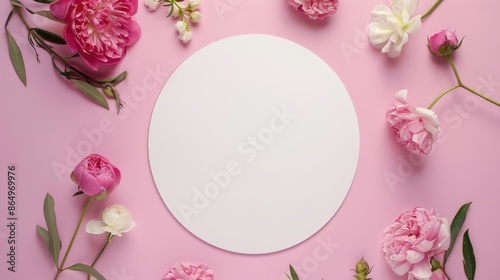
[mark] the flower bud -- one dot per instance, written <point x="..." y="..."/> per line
<point x="195" y="16"/>
<point x="194" y="5"/>
<point x="152" y="5"/>
<point x="443" y="43"/>
<point x="362" y="270"/>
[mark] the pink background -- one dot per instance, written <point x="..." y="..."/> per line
<point x="45" y="124"/>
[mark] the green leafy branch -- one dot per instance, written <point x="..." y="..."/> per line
<point x="469" y="260"/>
<point x="40" y="38"/>
<point x="53" y="243"/>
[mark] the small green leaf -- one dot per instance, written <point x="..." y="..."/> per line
<point x="50" y="220"/>
<point x="92" y="92"/>
<point x="49" y="36"/>
<point x="44" y="234"/>
<point x="47" y="14"/>
<point x="469" y="257"/>
<point x="44" y="1"/>
<point x="116" y="80"/>
<point x="88" y="269"/>
<point x="16" y="58"/>
<point x="455" y="227"/>
<point x="293" y="273"/>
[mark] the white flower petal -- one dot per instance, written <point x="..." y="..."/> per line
<point x="401" y="96"/>
<point x="95" y="227"/>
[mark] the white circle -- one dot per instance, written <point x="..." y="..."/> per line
<point x="205" y="129"/>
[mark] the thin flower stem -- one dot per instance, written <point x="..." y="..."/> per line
<point x="85" y="209"/>
<point x="445" y="274"/>
<point x="454" y="69"/>
<point x="441" y="95"/>
<point x="431" y="9"/>
<point x="108" y="240"/>
<point x="480" y="95"/>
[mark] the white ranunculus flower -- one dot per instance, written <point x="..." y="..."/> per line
<point x="152" y="5"/>
<point x="116" y="219"/>
<point x="389" y="26"/>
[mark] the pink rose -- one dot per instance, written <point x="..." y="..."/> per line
<point x="414" y="128"/>
<point x="410" y="243"/>
<point x="95" y="175"/>
<point x="443" y="43"/>
<point x="188" y="271"/>
<point x="315" y="9"/>
<point x="99" y="30"/>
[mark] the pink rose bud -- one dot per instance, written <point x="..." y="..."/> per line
<point x="443" y="43"/>
<point x="95" y="175"/>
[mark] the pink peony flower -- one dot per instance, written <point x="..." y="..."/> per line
<point x="95" y="175"/>
<point x="315" y="9"/>
<point x="410" y="243"/>
<point x="414" y="128"/>
<point x="443" y="43"/>
<point x="188" y="271"/>
<point x="99" y="30"/>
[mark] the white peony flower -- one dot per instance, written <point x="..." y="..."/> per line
<point x="195" y="16"/>
<point x="389" y="27"/>
<point x="116" y="219"/>
<point x="152" y="5"/>
<point x="186" y="36"/>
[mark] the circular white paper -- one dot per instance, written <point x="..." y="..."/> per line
<point x="253" y="144"/>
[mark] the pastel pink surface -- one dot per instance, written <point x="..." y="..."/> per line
<point x="47" y="124"/>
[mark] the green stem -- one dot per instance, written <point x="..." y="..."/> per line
<point x="445" y="274"/>
<point x="480" y="95"/>
<point x="431" y="9"/>
<point x="441" y="95"/>
<point x="108" y="240"/>
<point x="85" y="209"/>
<point x="454" y="69"/>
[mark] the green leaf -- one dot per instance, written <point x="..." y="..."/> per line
<point x="293" y="273"/>
<point x="469" y="257"/>
<point x="50" y="220"/>
<point x="44" y="234"/>
<point x="49" y="36"/>
<point x="455" y="227"/>
<point x="44" y="1"/>
<point x="48" y="15"/>
<point x="92" y="92"/>
<point x="16" y="58"/>
<point x="88" y="269"/>
<point x="116" y="80"/>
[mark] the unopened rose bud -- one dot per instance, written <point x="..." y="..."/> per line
<point x="362" y="270"/>
<point x="443" y="43"/>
